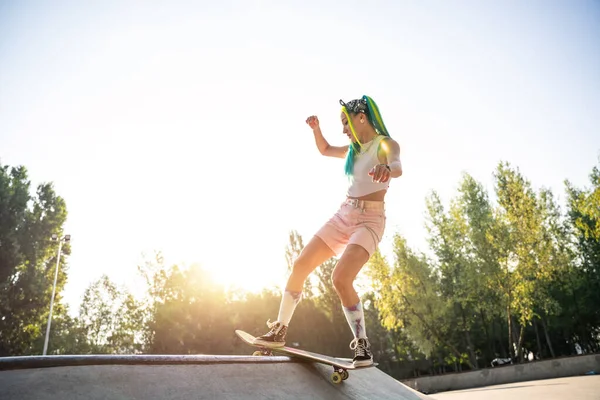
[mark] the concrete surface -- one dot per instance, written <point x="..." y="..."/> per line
<point x="573" y="388"/>
<point x="187" y="377"/>
<point x="531" y="371"/>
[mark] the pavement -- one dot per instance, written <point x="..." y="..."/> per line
<point x="572" y="388"/>
<point x="166" y="377"/>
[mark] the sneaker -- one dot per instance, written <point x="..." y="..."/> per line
<point x="362" y="352"/>
<point x="275" y="337"/>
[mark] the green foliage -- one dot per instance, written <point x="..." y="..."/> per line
<point x="581" y="313"/>
<point x="505" y="279"/>
<point x="28" y="260"/>
<point x="110" y="318"/>
<point x="410" y="298"/>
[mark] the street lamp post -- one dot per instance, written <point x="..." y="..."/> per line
<point x="66" y="238"/>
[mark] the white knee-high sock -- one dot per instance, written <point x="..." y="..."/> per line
<point x="356" y="319"/>
<point x="289" y="301"/>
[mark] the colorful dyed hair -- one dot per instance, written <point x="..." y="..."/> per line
<point x="367" y="106"/>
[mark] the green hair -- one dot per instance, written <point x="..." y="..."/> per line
<point x="367" y="106"/>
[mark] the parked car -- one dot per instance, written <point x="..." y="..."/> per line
<point x="496" y="362"/>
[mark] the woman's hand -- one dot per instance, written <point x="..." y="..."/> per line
<point x="313" y="122"/>
<point x="380" y="173"/>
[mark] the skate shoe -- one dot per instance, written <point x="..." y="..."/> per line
<point x="362" y="352"/>
<point x="275" y="337"/>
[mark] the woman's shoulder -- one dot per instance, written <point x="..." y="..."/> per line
<point x="388" y="141"/>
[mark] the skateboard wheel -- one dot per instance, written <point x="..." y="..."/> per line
<point x="345" y="375"/>
<point x="336" y="377"/>
<point x="257" y="353"/>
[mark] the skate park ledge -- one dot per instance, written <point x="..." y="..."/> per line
<point x="181" y="377"/>
<point x="22" y="362"/>
<point x="535" y="370"/>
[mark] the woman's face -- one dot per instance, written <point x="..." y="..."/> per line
<point x="355" y="122"/>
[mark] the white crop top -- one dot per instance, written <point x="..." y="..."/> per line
<point x="361" y="183"/>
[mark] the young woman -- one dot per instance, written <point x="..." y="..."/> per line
<point x="355" y="230"/>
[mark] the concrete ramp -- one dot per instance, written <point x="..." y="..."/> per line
<point x="164" y="377"/>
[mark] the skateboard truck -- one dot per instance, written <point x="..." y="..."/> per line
<point x="264" y="351"/>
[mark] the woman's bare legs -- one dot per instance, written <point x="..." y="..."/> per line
<point x="346" y="270"/>
<point x="314" y="254"/>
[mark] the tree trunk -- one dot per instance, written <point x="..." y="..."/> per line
<point x="501" y="331"/>
<point x="547" y="338"/>
<point x="468" y="338"/>
<point x="520" y="344"/>
<point x="510" y="335"/>
<point x="538" y="341"/>
<point x="583" y="336"/>
<point x="585" y="344"/>
<point x="488" y="342"/>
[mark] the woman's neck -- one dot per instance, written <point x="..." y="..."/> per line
<point x="367" y="136"/>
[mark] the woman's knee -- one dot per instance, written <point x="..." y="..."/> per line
<point x="340" y="282"/>
<point x="301" y="267"/>
<point x="314" y="254"/>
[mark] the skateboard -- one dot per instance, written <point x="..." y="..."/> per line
<point x="340" y="366"/>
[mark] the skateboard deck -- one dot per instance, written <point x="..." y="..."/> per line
<point x="340" y="366"/>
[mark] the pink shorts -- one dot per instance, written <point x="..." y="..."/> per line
<point x="356" y="222"/>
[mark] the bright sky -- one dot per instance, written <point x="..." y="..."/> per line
<point x="179" y="126"/>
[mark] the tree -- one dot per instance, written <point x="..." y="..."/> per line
<point x="389" y="339"/>
<point x="583" y="305"/>
<point x="111" y="319"/>
<point x="67" y="336"/>
<point x="532" y="247"/>
<point x="28" y="260"/>
<point x="187" y="311"/>
<point x="486" y="275"/>
<point x="457" y="266"/>
<point x="409" y="298"/>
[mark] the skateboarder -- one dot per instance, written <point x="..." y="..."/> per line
<point x="355" y="230"/>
